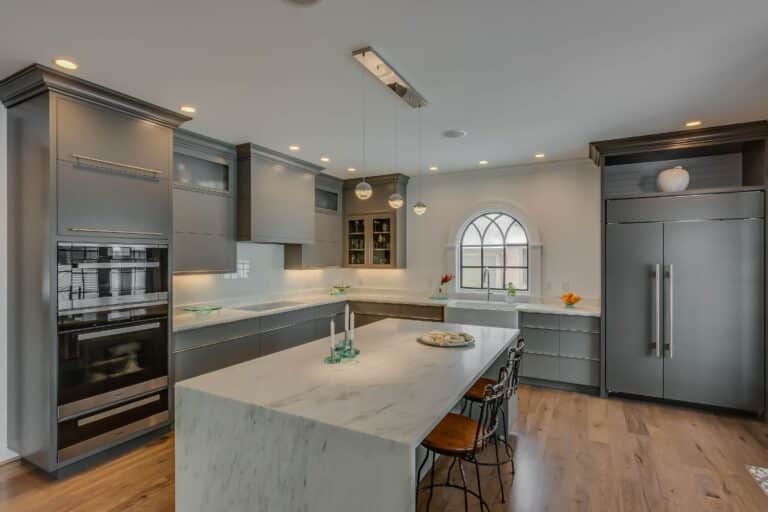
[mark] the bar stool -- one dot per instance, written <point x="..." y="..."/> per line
<point x="510" y="371"/>
<point x="462" y="439"/>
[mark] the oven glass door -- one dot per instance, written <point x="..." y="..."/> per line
<point x="102" y="365"/>
<point x="92" y="275"/>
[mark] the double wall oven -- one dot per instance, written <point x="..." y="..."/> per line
<point x="112" y="344"/>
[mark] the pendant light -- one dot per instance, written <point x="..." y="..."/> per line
<point x="363" y="190"/>
<point x="396" y="200"/>
<point x="420" y="208"/>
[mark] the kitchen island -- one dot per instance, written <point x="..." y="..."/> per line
<point x="288" y="432"/>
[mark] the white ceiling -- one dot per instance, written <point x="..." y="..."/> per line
<point x="522" y="76"/>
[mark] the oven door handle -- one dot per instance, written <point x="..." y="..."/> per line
<point x="115" y="332"/>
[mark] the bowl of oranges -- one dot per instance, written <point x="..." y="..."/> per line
<point x="570" y="299"/>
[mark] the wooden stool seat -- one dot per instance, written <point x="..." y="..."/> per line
<point x="455" y="436"/>
<point x="477" y="391"/>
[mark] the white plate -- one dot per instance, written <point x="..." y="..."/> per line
<point x="446" y="339"/>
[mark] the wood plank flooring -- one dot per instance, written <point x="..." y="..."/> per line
<point x="573" y="453"/>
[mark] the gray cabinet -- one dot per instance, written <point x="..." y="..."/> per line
<point x="326" y="250"/>
<point x="685" y="304"/>
<point x="204" y="192"/>
<point x="374" y="232"/>
<point x="112" y="172"/>
<point x="208" y="349"/>
<point x="561" y="349"/>
<point x="275" y="202"/>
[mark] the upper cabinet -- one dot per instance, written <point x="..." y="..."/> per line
<point x="326" y="251"/>
<point x="204" y="191"/>
<point x="374" y="232"/>
<point x="276" y="192"/>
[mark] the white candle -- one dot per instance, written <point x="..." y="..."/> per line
<point x="333" y="337"/>
<point x="346" y="320"/>
<point x="352" y="329"/>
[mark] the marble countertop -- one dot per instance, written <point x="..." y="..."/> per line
<point x="397" y="389"/>
<point x="229" y="312"/>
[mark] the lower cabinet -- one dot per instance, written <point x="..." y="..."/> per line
<point x="204" y="350"/>
<point x="369" y="312"/>
<point x="561" y="349"/>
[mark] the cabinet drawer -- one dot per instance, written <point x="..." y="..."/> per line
<point x="540" y="320"/>
<point x="210" y="335"/>
<point x="579" y="323"/>
<point x="579" y="371"/>
<point x="191" y="363"/>
<point x="288" y="337"/>
<point x="204" y="253"/>
<point x="375" y="308"/>
<point x="431" y="313"/>
<point x="539" y="367"/>
<point x="96" y="132"/>
<point x="326" y="311"/>
<point x="198" y="212"/>
<point x="99" y="203"/>
<point x="287" y="319"/>
<point x="541" y="340"/>
<point x="580" y="344"/>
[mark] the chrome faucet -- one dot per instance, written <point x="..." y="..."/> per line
<point x="487" y="281"/>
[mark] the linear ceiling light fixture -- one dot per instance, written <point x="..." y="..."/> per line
<point x="386" y="74"/>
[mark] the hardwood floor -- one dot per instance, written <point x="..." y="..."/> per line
<point x="574" y="453"/>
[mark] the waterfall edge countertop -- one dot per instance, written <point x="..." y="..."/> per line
<point x="231" y="312"/>
<point x="288" y="432"/>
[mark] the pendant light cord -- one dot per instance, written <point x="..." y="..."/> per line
<point x="362" y="95"/>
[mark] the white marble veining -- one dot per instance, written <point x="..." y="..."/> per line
<point x="560" y="309"/>
<point x="287" y="432"/>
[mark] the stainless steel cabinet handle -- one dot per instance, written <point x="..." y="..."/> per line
<point x="110" y="163"/>
<point x="120" y="330"/>
<point x="117" y="410"/>
<point x="115" y="231"/>
<point x="656" y="309"/>
<point x="670" y="304"/>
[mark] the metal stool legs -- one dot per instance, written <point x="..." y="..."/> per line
<point x="463" y="487"/>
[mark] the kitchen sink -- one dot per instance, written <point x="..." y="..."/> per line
<point x="266" y="306"/>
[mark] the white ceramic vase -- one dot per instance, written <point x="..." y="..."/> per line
<point x="675" y="179"/>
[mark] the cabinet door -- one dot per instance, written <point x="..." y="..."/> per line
<point x="209" y="358"/>
<point x="195" y="253"/>
<point x="356" y="234"/>
<point x="381" y="241"/>
<point x="715" y="311"/>
<point x="104" y="203"/>
<point x="632" y="252"/>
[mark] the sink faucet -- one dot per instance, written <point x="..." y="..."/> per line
<point x="487" y="281"/>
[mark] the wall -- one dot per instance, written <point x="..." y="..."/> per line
<point x="561" y="199"/>
<point x="4" y="452"/>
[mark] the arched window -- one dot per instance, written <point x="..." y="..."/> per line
<point x="498" y="242"/>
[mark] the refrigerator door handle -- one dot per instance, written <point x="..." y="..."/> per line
<point x="656" y="309"/>
<point x="669" y="301"/>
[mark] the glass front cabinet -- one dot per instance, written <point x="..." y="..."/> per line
<point x="370" y="241"/>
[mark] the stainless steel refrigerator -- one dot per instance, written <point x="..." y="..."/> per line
<point x="684" y="298"/>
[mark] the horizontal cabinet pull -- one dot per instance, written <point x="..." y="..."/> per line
<point x="115" y="231"/>
<point x="117" y="410"/>
<point x="116" y="332"/>
<point x="99" y="161"/>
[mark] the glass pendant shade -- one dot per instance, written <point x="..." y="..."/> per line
<point x="363" y="190"/>
<point x="420" y="208"/>
<point x="396" y="201"/>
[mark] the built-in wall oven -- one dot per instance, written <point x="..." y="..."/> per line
<point x="112" y="344"/>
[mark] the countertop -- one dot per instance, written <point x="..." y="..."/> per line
<point x="397" y="389"/>
<point x="185" y="320"/>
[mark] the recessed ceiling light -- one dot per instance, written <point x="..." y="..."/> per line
<point x="188" y="109"/>
<point x="455" y="134"/>
<point x="351" y="169"/>
<point x="434" y="168"/>
<point x="67" y="64"/>
<point x="539" y="155"/>
<point x="693" y="124"/>
<point x="483" y="162"/>
<point x="325" y="159"/>
<point x="294" y="147"/>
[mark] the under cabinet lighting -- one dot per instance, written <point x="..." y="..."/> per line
<point x="67" y="64"/>
<point x="386" y="74"/>
<point x="693" y="124"/>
